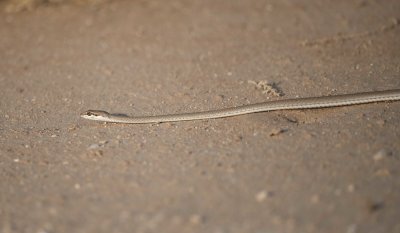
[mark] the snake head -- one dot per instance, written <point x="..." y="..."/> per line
<point x="95" y="115"/>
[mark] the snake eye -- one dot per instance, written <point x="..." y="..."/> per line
<point x="91" y="114"/>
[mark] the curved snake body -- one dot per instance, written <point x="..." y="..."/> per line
<point x="300" y="103"/>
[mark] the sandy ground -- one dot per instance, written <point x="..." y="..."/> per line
<point x="329" y="170"/>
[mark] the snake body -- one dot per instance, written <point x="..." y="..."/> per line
<point x="300" y="103"/>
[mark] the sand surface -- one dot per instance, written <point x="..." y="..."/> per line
<point x="326" y="170"/>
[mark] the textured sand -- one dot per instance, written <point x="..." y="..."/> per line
<point x="331" y="170"/>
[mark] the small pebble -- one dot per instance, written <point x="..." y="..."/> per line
<point x="260" y="196"/>
<point x="276" y="132"/>
<point x="375" y="206"/>
<point x="380" y="122"/>
<point x="97" y="145"/>
<point x="381" y="154"/>
<point x="195" y="219"/>
<point x="382" y="172"/>
<point x="350" y="188"/>
<point x="93" y="146"/>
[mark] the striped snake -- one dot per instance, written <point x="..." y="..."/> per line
<point x="286" y="104"/>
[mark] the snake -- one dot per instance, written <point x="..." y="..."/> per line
<point x="285" y="104"/>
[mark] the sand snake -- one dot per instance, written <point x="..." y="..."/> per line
<point x="286" y="104"/>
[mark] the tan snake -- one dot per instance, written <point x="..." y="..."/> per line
<point x="301" y="103"/>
